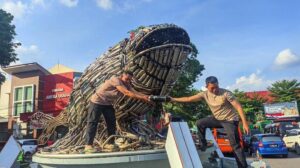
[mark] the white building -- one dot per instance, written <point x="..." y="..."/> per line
<point x="4" y="109"/>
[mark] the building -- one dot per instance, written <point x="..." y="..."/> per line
<point x="4" y="107"/>
<point x="35" y="89"/>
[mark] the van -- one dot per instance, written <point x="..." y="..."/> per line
<point x="223" y="141"/>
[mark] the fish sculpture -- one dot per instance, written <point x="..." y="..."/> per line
<point x="156" y="55"/>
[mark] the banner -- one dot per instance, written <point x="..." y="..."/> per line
<point x="281" y="110"/>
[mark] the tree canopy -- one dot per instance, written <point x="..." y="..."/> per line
<point x="285" y="90"/>
<point x="7" y="46"/>
<point x="253" y="107"/>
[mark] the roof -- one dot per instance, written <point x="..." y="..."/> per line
<point x="59" y="68"/>
<point x="262" y="94"/>
<point x="25" y="68"/>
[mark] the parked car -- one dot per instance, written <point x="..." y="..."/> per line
<point x="29" y="147"/>
<point x="223" y="141"/>
<point x="280" y="128"/>
<point x="292" y="140"/>
<point x="268" y="144"/>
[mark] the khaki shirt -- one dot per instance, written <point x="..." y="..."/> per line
<point x="220" y="104"/>
<point x="107" y="93"/>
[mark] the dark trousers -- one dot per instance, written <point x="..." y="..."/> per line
<point x="93" y="117"/>
<point x="231" y="129"/>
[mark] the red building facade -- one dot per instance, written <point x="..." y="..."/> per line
<point x="57" y="91"/>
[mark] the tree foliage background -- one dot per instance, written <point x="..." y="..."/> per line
<point x="184" y="87"/>
<point x="7" y="46"/>
<point x="286" y="91"/>
<point x="252" y="106"/>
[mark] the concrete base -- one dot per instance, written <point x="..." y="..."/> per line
<point x="131" y="159"/>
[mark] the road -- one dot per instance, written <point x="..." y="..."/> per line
<point x="293" y="161"/>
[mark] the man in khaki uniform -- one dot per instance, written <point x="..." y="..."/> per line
<point x="101" y="103"/>
<point x="226" y="111"/>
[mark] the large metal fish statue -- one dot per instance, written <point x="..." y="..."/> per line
<point x="156" y="54"/>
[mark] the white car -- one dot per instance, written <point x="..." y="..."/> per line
<point x="292" y="140"/>
<point x="29" y="146"/>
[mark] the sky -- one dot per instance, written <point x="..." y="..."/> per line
<point x="248" y="45"/>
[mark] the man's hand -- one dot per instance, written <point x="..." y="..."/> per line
<point x="146" y="99"/>
<point x="246" y="128"/>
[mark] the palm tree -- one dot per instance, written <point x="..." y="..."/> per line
<point x="285" y="90"/>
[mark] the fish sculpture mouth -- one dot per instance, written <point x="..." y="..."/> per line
<point x="157" y="56"/>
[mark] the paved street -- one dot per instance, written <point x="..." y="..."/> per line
<point x="293" y="161"/>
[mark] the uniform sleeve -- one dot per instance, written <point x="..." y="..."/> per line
<point x="115" y="81"/>
<point x="201" y="94"/>
<point x="229" y="96"/>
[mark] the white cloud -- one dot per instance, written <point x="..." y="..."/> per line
<point x="253" y="82"/>
<point x="105" y="4"/>
<point x="120" y="6"/>
<point x="4" y="73"/>
<point x="23" y="50"/>
<point x="286" y="58"/>
<point x="27" y="54"/>
<point x="17" y="9"/>
<point x="69" y="3"/>
<point x="38" y="2"/>
<point x="203" y="88"/>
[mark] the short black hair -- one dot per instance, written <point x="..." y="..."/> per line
<point x="211" y="79"/>
<point x="127" y="71"/>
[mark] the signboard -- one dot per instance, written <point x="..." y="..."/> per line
<point x="57" y="91"/>
<point x="281" y="110"/>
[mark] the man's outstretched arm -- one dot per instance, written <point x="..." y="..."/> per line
<point x="129" y="93"/>
<point x="189" y="99"/>
<point x="240" y="110"/>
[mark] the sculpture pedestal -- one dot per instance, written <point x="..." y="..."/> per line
<point x="132" y="159"/>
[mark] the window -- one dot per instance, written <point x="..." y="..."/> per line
<point x="31" y="142"/>
<point x="271" y="138"/>
<point x="23" y="99"/>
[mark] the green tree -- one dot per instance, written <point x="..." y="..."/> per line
<point x="285" y="90"/>
<point x="252" y="106"/>
<point x="184" y="87"/>
<point x="7" y="46"/>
